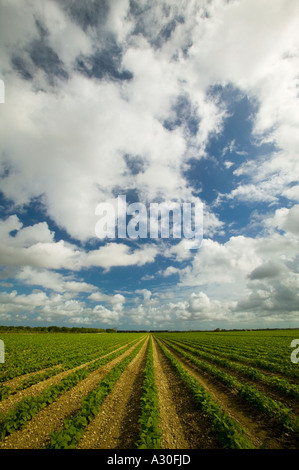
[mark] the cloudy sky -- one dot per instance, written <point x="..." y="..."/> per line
<point x="158" y="100"/>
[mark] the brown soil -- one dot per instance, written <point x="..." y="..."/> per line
<point x="182" y="425"/>
<point x="36" y="432"/>
<point x="260" y="431"/>
<point x="116" y="425"/>
<point x="36" y="389"/>
<point x="16" y="381"/>
<point x="267" y="389"/>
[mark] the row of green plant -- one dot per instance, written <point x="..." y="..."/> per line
<point x="228" y="432"/>
<point x="266" y="350"/>
<point x="74" y="426"/>
<point x="277" y="383"/>
<point x="150" y="432"/>
<point x="269" y="350"/>
<point x="36" y="378"/>
<point x="26" y="354"/>
<point x="68" y="360"/>
<point x="257" y="359"/>
<point x="24" y="410"/>
<point x="6" y="391"/>
<point x="267" y="405"/>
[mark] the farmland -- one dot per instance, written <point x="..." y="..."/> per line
<point x="163" y="390"/>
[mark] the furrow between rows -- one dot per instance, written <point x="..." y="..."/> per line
<point x="35" y="433"/>
<point x="261" y="430"/>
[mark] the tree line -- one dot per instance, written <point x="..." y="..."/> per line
<point x="53" y="329"/>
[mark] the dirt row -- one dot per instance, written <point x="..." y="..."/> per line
<point x="35" y="434"/>
<point x="260" y="430"/>
<point x="36" y="389"/>
<point x="116" y="426"/>
<point x="263" y="387"/>
<point x="182" y="425"/>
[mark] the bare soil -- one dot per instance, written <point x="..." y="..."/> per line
<point x="16" y="381"/>
<point x="36" y="433"/>
<point x="260" y="430"/>
<point x="36" y="389"/>
<point x="182" y="425"/>
<point x="116" y="426"/>
<point x="267" y="389"/>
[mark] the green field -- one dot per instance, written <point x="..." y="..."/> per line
<point x="243" y="386"/>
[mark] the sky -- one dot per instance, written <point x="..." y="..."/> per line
<point x="161" y="101"/>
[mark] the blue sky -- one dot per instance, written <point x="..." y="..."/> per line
<point x="168" y="101"/>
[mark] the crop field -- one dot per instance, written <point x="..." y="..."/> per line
<point x="164" y="390"/>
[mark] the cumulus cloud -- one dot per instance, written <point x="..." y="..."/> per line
<point x="118" y="254"/>
<point x="255" y="49"/>
<point x="88" y="125"/>
<point x="107" y="98"/>
<point x="55" y="308"/>
<point x="35" y="246"/>
<point x="106" y="316"/>
<point x="116" y="300"/>
<point x="52" y="280"/>
<point x="267" y="270"/>
<point x="287" y="219"/>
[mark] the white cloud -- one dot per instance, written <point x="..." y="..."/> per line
<point x="244" y="279"/>
<point x="66" y="38"/>
<point x="169" y="271"/>
<point x="146" y="293"/>
<point x="88" y="125"/>
<point x="64" y="139"/>
<point x="52" y="280"/>
<point x="118" y="254"/>
<point x="118" y="21"/>
<point x="179" y="252"/>
<point x="241" y="39"/>
<point x="35" y="246"/>
<point x="254" y="48"/>
<point x="83" y="147"/>
<point x="55" y="308"/>
<point x="106" y="316"/>
<point x="116" y="300"/>
<point x="218" y="264"/>
<point x="292" y="193"/>
<point x="287" y="219"/>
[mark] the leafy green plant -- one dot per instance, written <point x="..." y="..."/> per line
<point x="4" y="392"/>
<point x="29" y="406"/>
<point x="227" y="431"/>
<point x="267" y="405"/>
<point x="73" y="427"/>
<point x="27" y="354"/>
<point x="150" y="432"/>
<point x="277" y="383"/>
